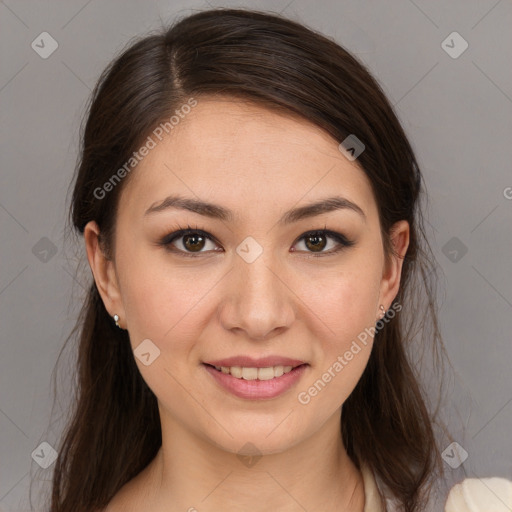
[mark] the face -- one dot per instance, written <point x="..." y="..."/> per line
<point x="256" y="282"/>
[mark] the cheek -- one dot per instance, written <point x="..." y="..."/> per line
<point x="162" y="302"/>
<point x="158" y="309"/>
<point x="344" y="349"/>
<point x="347" y="306"/>
<point x="348" y="303"/>
<point x="166" y="306"/>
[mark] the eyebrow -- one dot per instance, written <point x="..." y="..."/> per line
<point x="213" y="211"/>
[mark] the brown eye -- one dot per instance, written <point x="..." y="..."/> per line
<point x="315" y="242"/>
<point x="188" y="242"/>
<point x="193" y="242"/>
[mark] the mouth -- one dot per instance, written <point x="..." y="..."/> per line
<point x="256" y="383"/>
<point x="255" y="373"/>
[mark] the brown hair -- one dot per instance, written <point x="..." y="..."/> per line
<point x="114" y="430"/>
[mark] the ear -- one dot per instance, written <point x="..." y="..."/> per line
<point x="392" y="272"/>
<point x="104" y="273"/>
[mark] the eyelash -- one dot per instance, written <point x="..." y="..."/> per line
<point x="175" y="235"/>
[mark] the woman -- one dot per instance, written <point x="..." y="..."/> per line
<point x="250" y="209"/>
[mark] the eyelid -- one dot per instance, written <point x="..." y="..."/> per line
<point x="167" y="240"/>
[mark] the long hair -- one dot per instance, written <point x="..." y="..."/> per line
<point x="114" y="429"/>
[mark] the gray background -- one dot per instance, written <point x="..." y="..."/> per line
<point x="457" y="113"/>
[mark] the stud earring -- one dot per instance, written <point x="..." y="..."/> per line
<point x="383" y="309"/>
<point x="116" y="320"/>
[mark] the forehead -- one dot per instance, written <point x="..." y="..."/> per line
<point x="242" y="155"/>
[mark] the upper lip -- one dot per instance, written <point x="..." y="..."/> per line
<point x="262" y="362"/>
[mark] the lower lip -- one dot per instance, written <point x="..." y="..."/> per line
<point x="257" y="389"/>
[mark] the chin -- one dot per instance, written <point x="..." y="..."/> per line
<point x="256" y="442"/>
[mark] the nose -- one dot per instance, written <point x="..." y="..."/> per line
<point x="260" y="302"/>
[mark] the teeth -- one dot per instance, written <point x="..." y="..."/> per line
<point x="268" y="373"/>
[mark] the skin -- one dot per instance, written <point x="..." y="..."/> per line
<point x="259" y="164"/>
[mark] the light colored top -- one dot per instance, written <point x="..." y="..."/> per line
<point x="471" y="495"/>
<point x="374" y="502"/>
<point x="492" y="494"/>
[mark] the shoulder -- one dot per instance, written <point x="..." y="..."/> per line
<point x="480" y="495"/>
<point x="376" y="499"/>
<point x="136" y="495"/>
<point x="128" y="499"/>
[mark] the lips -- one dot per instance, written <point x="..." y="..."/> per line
<point x="250" y="362"/>
<point x="255" y="388"/>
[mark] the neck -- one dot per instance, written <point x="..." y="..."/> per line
<point x="191" y="474"/>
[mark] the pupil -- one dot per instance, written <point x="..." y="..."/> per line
<point x="315" y="244"/>
<point x="194" y="245"/>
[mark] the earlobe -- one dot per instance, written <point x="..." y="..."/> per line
<point x="103" y="270"/>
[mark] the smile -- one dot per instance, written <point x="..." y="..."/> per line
<point x="256" y="383"/>
<point x="247" y="373"/>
